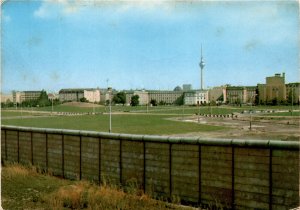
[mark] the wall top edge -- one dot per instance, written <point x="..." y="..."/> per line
<point x="274" y="144"/>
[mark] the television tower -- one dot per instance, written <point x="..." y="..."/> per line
<point x="201" y="64"/>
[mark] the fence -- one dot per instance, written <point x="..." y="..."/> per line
<point x="237" y="174"/>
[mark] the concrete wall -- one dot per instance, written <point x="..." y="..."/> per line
<point x="239" y="174"/>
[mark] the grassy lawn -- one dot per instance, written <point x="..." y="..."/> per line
<point x="70" y="108"/>
<point x="133" y="124"/>
<point x="6" y="113"/>
<point x="24" y="188"/>
<point x="12" y="113"/>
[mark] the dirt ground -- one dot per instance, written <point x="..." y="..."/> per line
<point x="81" y="104"/>
<point x="282" y="128"/>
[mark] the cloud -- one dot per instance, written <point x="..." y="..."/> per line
<point x="251" y="45"/>
<point x="6" y="18"/>
<point x="34" y="41"/>
<point x="54" y="8"/>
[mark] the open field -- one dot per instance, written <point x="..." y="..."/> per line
<point x="166" y="120"/>
<point x="24" y="188"/>
<point x="123" y="123"/>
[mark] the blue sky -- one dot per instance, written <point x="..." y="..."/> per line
<point x="140" y="44"/>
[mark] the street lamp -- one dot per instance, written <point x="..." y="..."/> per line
<point x="182" y="111"/>
<point x="52" y="105"/>
<point x="251" y="111"/>
<point x="94" y="102"/>
<point x="292" y="98"/>
<point x="109" y="97"/>
<point x="198" y="110"/>
<point x="147" y="103"/>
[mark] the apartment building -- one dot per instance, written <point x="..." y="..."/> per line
<point x="75" y="94"/>
<point x="196" y="97"/>
<point x="274" y="88"/>
<point x="293" y="92"/>
<point x="240" y="94"/>
<point x="20" y="96"/>
<point x="166" y="96"/>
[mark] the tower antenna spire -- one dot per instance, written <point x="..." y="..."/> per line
<point x="201" y="64"/>
<point x="201" y="52"/>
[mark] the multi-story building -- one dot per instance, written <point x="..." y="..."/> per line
<point x="165" y="96"/>
<point x="217" y="94"/>
<point x="143" y="96"/>
<point x="53" y="96"/>
<point x="293" y="92"/>
<point x="186" y="87"/>
<point x="196" y="97"/>
<point x="92" y="95"/>
<point x="20" y="96"/>
<point x="240" y="94"/>
<point x="274" y="89"/>
<point x="6" y="98"/>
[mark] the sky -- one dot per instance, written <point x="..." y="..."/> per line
<point x="57" y="44"/>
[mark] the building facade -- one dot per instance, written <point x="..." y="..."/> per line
<point x="240" y="94"/>
<point x="20" y="96"/>
<point x="187" y="87"/>
<point x="92" y="95"/>
<point x="293" y="92"/>
<point x="143" y="96"/>
<point x="217" y="94"/>
<point x="196" y="97"/>
<point x="6" y="98"/>
<point x="274" y="89"/>
<point x="165" y="96"/>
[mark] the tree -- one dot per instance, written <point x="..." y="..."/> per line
<point x="153" y="102"/>
<point x="162" y="103"/>
<point x="83" y="99"/>
<point x="213" y="103"/>
<point x="134" y="100"/>
<point x="179" y="100"/>
<point x="120" y="98"/>
<point x="274" y="101"/>
<point x="43" y="99"/>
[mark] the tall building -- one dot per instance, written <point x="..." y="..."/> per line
<point x="201" y="64"/>
<point x="274" y="89"/>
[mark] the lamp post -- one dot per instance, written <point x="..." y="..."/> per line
<point x="198" y="111"/>
<point x="292" y="99"/>
<point x="51" y="105"/>
<point x="182" y="111"/>
<point x="93" y="102"/>
<point x="251" y="111"/>
<point x="21" y="111"/>
<point x="109" y="97"/>
<point x="147" y="103"/>
<point x="211" y="112"/>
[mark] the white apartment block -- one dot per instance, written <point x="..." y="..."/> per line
<point x="196" y="97"/>
<point x="20" y="96"/>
